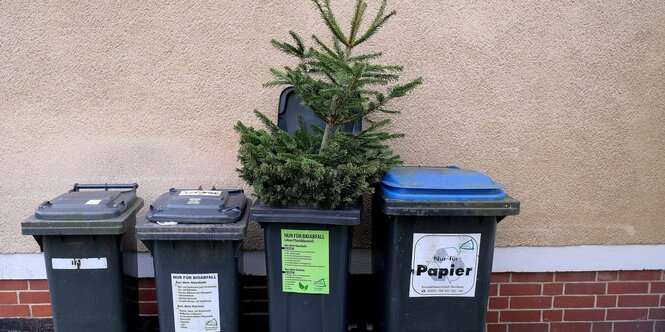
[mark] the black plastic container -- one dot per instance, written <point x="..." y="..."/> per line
<point x="307" y="258"/>
<point x="291" y="111"/>
<point x="435" y="229"/>
<point x="80" y="233"/>
<point x="194" y="237"/>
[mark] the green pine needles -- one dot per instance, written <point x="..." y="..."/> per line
<point x="329" y="168"/>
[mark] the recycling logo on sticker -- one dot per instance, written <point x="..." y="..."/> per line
<point x="444" y="265"/>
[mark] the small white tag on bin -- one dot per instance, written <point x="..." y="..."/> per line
<point x="200" y="193"/>
<point x="79" y="263"/>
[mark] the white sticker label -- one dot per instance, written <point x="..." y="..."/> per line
<point x="444" y="265"/>
<point x="79" y="263"/>
<point x="200" y="193"/>
<point x="194" y="201"/>
<point x="195" y="302"/>
<point x="93" y="202"/>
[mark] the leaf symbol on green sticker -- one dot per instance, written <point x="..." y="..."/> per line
<point x="302" y="287"/>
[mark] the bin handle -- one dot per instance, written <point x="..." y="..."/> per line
<point x="105" y="186"/>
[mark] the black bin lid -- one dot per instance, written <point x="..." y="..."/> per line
<point x="291" y="109"/>
<point x="88" y="205"/>
<point x="196" y="206"/>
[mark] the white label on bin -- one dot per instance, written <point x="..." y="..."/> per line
<point x="194" y="201"/>
<point x="93" y="202"/>
<point x="79" y="263"/>
<point x="195" y="302"/>
<point x="444" y="265"/>
<point x="200" y="193"/>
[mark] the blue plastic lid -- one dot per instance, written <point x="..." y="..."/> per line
<point x="439" y="184"/>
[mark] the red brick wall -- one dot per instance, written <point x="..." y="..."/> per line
<point x="577" y="301"/>
<point x="147" y="297"/>
<point x="24" y="298"/>
<point x="561" y="301"/>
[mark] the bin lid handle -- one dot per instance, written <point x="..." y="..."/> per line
<point x="105" y="186"/>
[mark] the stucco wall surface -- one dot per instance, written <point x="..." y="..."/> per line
<point x="561" y="100"/>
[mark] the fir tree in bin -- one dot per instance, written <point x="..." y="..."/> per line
<point x="330" y="168"/>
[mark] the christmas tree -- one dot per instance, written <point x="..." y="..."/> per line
<point x="329" y="168"/>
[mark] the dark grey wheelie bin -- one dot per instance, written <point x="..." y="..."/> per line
<point x="80" y="233"/>
<point x="436" y="227"/>
<point x="307" y="261"/>
<point x="307" y="249"/>
<point x="194" y="237"/>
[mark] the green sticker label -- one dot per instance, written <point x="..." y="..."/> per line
<point x="305" y="262"/>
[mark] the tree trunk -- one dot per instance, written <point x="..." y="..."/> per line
<point x="326" y="136"/>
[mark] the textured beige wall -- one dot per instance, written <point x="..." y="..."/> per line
<point x="560" y="100"/>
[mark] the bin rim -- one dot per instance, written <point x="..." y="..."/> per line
<point x="397" y="207"/>
<point x="302" y="214"/>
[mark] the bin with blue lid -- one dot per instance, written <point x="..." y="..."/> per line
<point x="435" y="229"/>
<point x="194" y="237"/>
<point x="81" y="234"/>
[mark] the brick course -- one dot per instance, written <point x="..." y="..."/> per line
<point x="560" y="301"/>
<point x="580" y="301"/>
